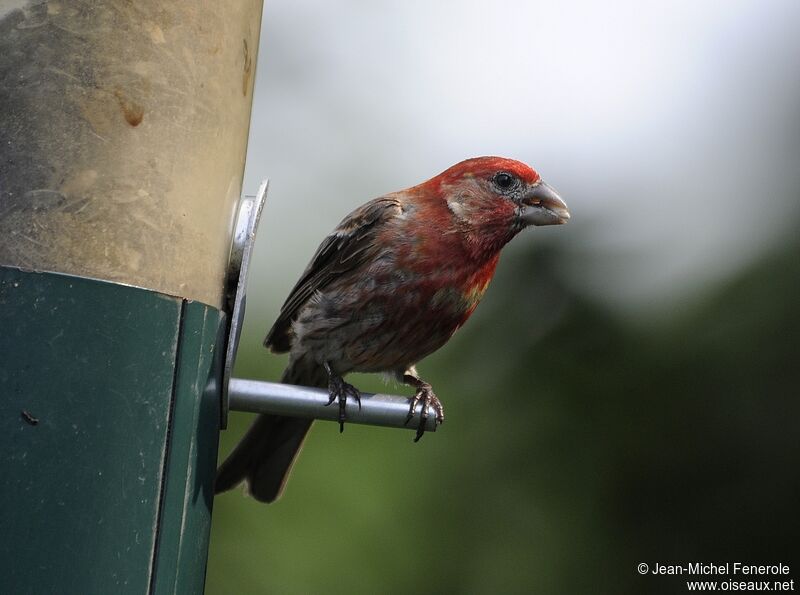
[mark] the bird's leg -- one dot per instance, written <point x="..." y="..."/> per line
<point x="339" y="390"/>
<point x="424" y="395"/>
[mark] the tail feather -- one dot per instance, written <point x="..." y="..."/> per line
<point x="265" y="455"/>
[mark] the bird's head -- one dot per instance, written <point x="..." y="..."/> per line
<point x="492" y="198"/>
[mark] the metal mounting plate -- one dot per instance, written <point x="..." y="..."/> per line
<point x="244" y="236"/>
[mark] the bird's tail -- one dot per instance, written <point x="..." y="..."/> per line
<point x="265" y="455"/>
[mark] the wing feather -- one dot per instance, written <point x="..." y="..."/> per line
<point x="349" y="246"/>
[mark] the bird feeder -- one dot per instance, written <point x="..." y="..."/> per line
<point x="123" y="131"/>
<point x="124" y="247"/>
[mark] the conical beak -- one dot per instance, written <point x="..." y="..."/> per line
<point x="541" y="205"/>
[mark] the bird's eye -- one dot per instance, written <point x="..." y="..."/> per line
<point x="504" y="180"/>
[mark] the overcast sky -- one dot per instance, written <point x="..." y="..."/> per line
<point x="669" y="128"/>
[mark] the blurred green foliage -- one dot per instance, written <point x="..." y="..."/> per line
<point x="577" y="444"/>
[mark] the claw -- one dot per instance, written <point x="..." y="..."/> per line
<point x="425" y="395"/>
<point x="339" y="390"/>
<point x="412" y="409"/>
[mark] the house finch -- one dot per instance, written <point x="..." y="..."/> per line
<point x="386" y="288"/>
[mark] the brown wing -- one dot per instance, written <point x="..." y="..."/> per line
<point x="350" y="245"/>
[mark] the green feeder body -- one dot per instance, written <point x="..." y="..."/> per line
<point x="109" y="441"/>
<point x="123" y="130"/>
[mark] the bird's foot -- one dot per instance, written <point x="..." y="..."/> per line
<point x="429" y="401"/>
<point x="339" y="390"/>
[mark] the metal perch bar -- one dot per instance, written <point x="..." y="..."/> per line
<point x="301" y="401"/>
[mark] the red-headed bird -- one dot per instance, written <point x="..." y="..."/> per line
<point x="389" y="286"/>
